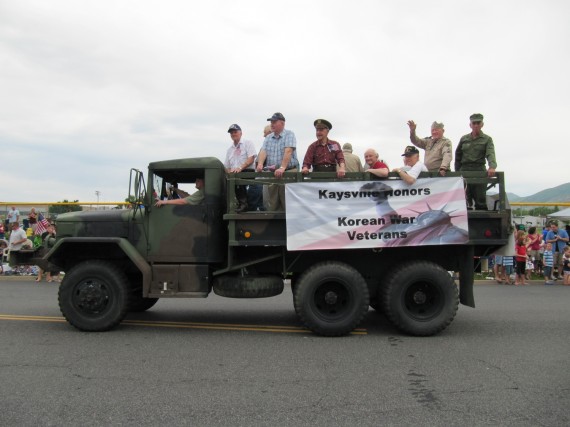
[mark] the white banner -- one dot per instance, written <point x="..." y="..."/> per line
<point x="375" y="214"/>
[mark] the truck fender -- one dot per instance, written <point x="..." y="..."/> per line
<point x="62" y="246"/>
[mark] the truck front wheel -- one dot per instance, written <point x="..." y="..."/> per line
<point x="331" y="298"/>
<point x="420" y="298"/>
<point x="94" y="296"/>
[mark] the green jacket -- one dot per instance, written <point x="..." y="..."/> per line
<point x="195" y="199"/>
<point x="471" y="153"/>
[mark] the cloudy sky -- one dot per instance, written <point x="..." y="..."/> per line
<point x="90" y="89"/>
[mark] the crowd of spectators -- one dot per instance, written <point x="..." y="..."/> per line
<point x="23" y="232"/>
<point x="545" y="254"/>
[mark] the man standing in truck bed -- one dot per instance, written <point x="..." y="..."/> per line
<point x="279" y="149"/>
<point x="470" y="155"/>
<point x="438" y="153"/>
<point x="324" y="154"/>
<point x="351" y="161"/>
<point x="239" y="158"/>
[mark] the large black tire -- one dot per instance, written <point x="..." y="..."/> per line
<point x="248" y="286"/>
<point x="331" y="298"/>
<point x="94" y="296"/>
<point x="420" y="298"/>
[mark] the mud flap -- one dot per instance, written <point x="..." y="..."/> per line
<point x="467" y="277"/>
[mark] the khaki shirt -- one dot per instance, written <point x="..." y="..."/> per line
<point x="352" y="162"/>
<point x="472" y="152"/>
<point x="438" y="153"/>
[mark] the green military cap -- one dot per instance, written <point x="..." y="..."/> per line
<point x="323" y="122"/>
<point x="476" y="117"/>
<point x="437" y="125"/>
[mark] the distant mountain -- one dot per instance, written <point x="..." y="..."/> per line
<point x="560" y="193"/>
<point x="513" y="197"/>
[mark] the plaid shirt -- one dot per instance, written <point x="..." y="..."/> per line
<point x="274" y="146"/>
<point x="323" y="154"/>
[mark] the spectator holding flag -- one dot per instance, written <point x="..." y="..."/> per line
<point x="41" y="225"/>
<point x="52" y="275"/>
<point x="33" y="219"/>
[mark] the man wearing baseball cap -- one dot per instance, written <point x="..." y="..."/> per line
<point x="470" y="155"/>
<point x="279" y="150"/>
<point x="324" y="154"/>
<point x="239" y="158"/>
<point x="412" y="165"/>
<point x="438" y="152"/>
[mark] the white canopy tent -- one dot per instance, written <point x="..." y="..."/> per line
<point x="563" y="215"/>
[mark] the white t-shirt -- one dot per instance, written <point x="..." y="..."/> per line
<point x="415" y="170"/>
<point x="16" y="235"/>
<point x="238" y="154"/>
<point x="13" y="215"/>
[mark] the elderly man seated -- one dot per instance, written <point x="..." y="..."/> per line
<point x="375" y="166"/>
<point x="412" y="165"/>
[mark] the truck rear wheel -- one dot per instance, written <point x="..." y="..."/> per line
<point x="331" y="298"/>
<point x="420" y="298"/>
<point x="94" y="296"/>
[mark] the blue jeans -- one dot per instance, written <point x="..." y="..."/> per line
<point x="255" y="198"/>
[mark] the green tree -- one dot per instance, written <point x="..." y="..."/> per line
<point x="542" y="211"/>
<point x="58" y="209"/>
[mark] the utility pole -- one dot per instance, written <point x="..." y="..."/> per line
<point x="97" y="193"/>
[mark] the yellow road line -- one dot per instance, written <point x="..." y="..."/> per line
<point x="185" y="325"/>
<point x="19" y="317"/>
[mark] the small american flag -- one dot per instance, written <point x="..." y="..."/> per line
<point x="42" y="224"/>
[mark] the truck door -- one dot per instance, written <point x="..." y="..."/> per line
<point x="178" y="234"/>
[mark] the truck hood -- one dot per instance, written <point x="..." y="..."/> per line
<point x="111" y="223"/>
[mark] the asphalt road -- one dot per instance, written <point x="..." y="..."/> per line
<point x="219" y="361"/>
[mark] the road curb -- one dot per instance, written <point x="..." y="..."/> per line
<point x="17" y="278"/>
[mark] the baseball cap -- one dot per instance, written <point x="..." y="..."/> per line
<point x="410" y="151"/>
<point x="276" y="116"/>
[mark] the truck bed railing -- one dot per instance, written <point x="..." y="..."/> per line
<point x="267" y="178"/>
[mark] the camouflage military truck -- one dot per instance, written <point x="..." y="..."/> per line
<point x="122" y="261"/>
